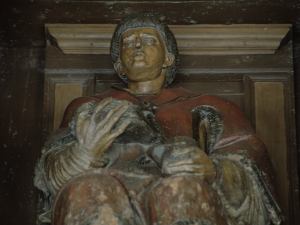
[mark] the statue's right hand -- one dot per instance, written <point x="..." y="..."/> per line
<point x="94" y="136"/>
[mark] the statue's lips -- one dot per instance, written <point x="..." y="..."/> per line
<point x="138" y="56"/>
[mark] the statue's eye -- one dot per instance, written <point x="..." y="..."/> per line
<point x="149" y="41"/>
<point x="129" y="43"/>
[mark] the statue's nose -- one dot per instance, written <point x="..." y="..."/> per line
<point x="138" y="43"/>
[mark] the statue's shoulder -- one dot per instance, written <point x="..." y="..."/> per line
<point x="73" y="106"/>
<point x="220" y="103"/>
<point x="215" y="101"/>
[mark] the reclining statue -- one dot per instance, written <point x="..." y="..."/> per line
<point x="154" y="153"/>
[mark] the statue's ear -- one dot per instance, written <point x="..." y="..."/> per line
<point x="119" y="67"/>
<point x="169" y="59"/>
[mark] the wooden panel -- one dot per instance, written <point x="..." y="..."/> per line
<point x="203" y="39"/>
<point x="64" y="94"/>
<point x="60" y="89"/>
<point x="104" y="86"/>
<point x="270" y="107"/>
<point x="271" y="128"/>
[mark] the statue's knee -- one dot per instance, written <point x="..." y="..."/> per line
<point x="183" y="198"/>
<point x="92" y="197"/>
<point x="181" y="185"/>
<point x="182" y="189"/>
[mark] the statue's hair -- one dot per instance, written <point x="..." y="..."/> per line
<point x="146" y="20"/>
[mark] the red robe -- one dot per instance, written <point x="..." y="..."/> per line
<point x="173" y="114"/>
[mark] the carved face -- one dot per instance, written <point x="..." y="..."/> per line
<point x="143" y="55"/>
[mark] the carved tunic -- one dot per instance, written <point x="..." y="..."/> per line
<point x="231" y="143"/>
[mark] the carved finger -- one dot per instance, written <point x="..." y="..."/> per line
<point x="113" y="116"/>
<point x="80" y="128"/>
<point x="105" y="144"/>
<point x="98" y="163"/>
<point x="184" y="151"/>
<point x="110" y="137"/>
<point x="82" y="116"/>
<point x="183" y="168"/>
<point x="189" y="161"/>
<point x="108" y="116"/>
<point x="121" y="129"/>
<point x="100" y="107"/>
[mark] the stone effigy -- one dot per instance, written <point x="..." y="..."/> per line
<point x="154" y="153"/>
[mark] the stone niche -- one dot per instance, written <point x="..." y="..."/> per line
<point x="250" y="64"/>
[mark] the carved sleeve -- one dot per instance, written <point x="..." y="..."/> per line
<point x="62" y="158"/>
<point x="62" y="164"/>
<point x="241" y="195"/>
<point x="242" y="187"/>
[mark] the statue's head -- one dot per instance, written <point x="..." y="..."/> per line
<point x="153" y="24"/>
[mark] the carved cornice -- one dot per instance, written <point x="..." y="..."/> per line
<point x="191" y="39"/>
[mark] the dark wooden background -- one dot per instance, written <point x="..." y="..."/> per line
<point x="22" y="60"/>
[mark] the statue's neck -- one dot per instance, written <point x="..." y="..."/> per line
<point x="147" y="87"/>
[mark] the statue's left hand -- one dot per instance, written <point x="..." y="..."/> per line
<point x="190" y="159"/>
